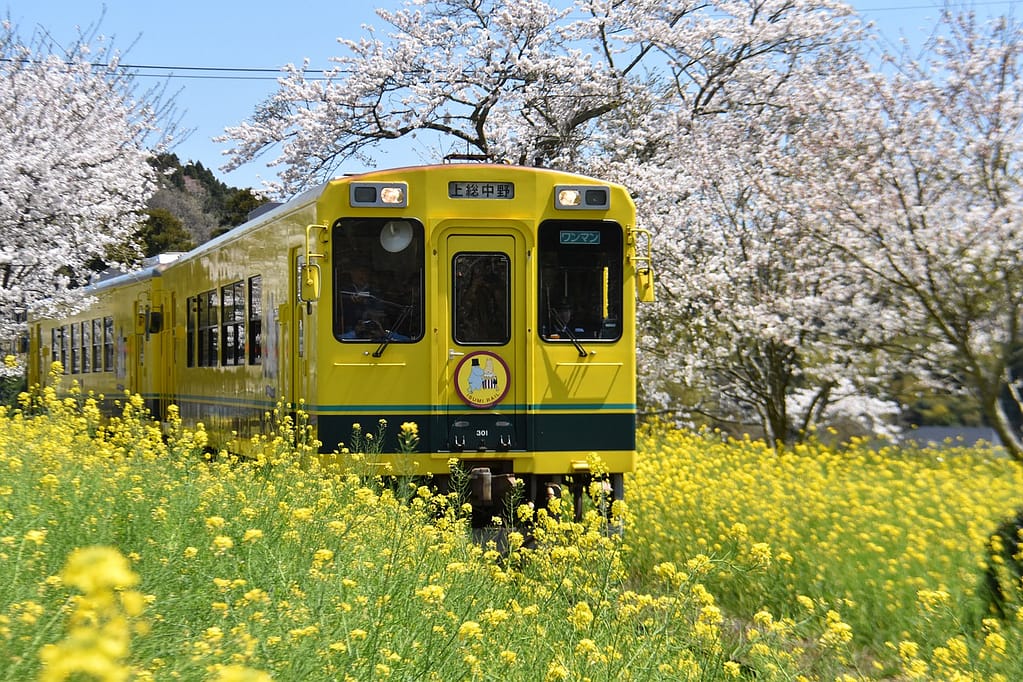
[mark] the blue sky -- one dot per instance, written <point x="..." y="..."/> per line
<point x="260" y="34"/>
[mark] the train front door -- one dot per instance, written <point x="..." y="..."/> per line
<point x="484" y="332"/>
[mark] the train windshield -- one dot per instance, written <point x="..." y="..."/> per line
<point x="580" y="284"/>
<point x="378" y="280"/>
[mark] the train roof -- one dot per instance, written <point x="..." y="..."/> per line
<point x="262" y="215"/>
<point x="151" y="267"/>
<point x="155" y="266"/>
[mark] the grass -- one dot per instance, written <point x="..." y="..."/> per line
<point x="127" y="556"/>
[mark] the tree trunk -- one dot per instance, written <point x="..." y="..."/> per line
<point x="1000" y="422"/>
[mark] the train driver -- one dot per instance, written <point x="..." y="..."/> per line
<point x="362" y="314"/>
<point x="562" y="325"/>
<point x="366" y="314"/>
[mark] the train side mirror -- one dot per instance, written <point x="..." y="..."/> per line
<point x="644" y="265"/>
<point x="645" y="285"/>
<point x="310" y="272"/>
<point x="155" y="325"/>
<point x="311" y="282"/>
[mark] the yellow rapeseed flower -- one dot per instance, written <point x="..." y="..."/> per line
<point x="221" y="544"/>
<point x="36" y="537"/>
<point x="470" y="630"/>
<point x="302" y="514"/>
<point x="836" y="633"/>
<point x="994" y="646"/>
<point x="557" y="671"/>
<point x="95" y="569"/>
<point x="99" y="632"/>
<point x="581" y="616"/>
<point x="431" y="594"/>
<point x="760" y="553"/>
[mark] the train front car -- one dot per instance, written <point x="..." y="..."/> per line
<point x="491" y="306"/>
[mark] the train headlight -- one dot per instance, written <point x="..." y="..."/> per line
<point x="391" y="194"/>
<point x="586" y="197"/>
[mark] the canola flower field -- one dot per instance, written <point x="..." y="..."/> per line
<point x="128" y="555"/>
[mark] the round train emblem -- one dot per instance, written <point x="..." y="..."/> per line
<point x="481" y="379"/>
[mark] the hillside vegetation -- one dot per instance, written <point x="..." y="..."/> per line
<point x="191" y="206"/>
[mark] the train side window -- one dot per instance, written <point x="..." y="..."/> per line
<point x="75" y="351"/>
<point x="580" y="285"/>
<point x="64" y="348"/>
<point x="191" y="312"/>
<point x="378" y="280"/>
<point x="97" y="345"/>
<point x="209" y="328"/>
<point x="233" y="324"/>
<point x="108" y="343"/>
<point x="86" y="339"/>
<point x="482" y="285"/>
<point x="200" y="316"/>
<point x="255" y="320"/>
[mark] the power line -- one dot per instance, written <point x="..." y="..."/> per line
<point x="193" y="72"/>
<point x="911" y="8"/>
<point x="215" y="72"/>
<point x="242" y="73"/>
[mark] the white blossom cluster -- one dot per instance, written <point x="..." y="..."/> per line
<point x="74" y="176"/>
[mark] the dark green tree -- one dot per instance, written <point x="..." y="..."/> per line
<point x="162" y="232"/>
<point x="237" y="206"/>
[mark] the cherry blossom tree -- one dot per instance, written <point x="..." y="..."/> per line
<point x="757" y="321"/>
<point x="687" y="103"/>
<point x="513" y="81"/>
<point x="524" y="82"/>
<point x="73" y="172"/>
<point x="920" y="191"/>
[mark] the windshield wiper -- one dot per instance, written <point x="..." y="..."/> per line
<point x="571" y="335"/>
<point x="389" y="336"/>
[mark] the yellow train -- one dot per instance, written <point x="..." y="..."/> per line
<point x="491" y="305"/>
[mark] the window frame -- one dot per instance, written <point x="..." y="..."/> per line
<point x="562" y="273"/>
<point x="400" y="274"/>
<point x="254" y="295"/>
<point x="232" y="324"/>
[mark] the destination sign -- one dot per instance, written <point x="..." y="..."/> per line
<point x="580" y="237"/>
<point x="481" y="190"/>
